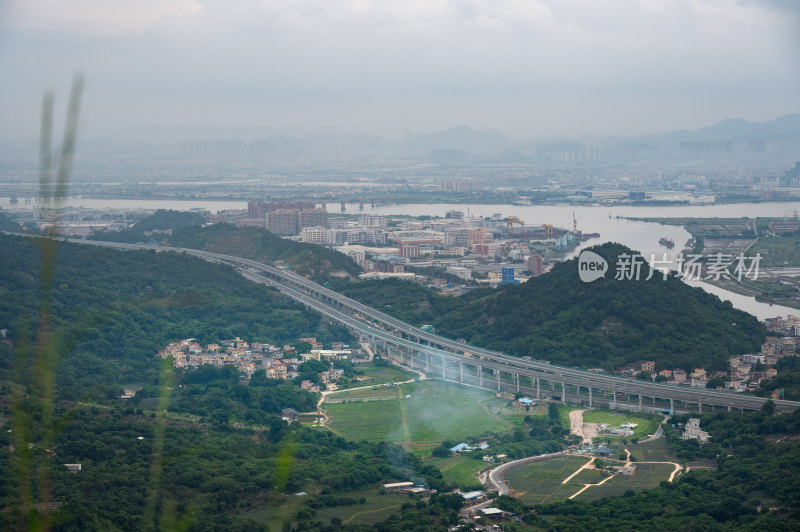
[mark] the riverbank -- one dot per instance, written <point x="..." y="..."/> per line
<point x="774" y="281"/>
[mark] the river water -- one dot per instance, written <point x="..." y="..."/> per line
<point x="609" y="222"/>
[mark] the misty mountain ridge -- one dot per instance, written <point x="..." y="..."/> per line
<point x="456" y="145"/>
<point x="459" y="138"/>
<point x="782" y="129"/>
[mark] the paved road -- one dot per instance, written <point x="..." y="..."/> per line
<point x="496" y="479"/>
<point x="398" y="333"/>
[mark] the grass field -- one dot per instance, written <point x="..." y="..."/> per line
<point x="540" y="482"/>
<point x="459" y="470"/>
<point x="379" y="375"/>
<point x="646" y="424"/>
<point x="274" y="516"/>
<point x="655" y="451"/>
<point x="587" y="476"/>
<point x="777" y="250"/>
<point x="371" y="421"/>
<point x="364" y="394"/>
<point x="647" y="476"/>
<point x="434" y="412"/>
<point x="376" y="508"/>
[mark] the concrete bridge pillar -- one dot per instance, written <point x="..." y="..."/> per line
<point x="538" y="391"/>
<point x="427" y="361"/>
<point x="729" y="408"/>
<point x="444" y="364"/>
<point x="516" y="378"/>
<point x="590" y="396"/>
<point x="498" y="379"/>
<point x="700" y="407"/>
<point x="613" y="399"/>
<point x="563" y="392"/>
<point x="671" y="406"/>
<point x="480" y="376"/>
<point x="640" y="402"/>
<point x="461" y="371"/>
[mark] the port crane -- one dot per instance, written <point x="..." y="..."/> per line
<point x="510" y="221"/>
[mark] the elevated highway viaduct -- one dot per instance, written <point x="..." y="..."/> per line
<point x="456" y="361"/>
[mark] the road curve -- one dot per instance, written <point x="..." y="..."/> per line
<point x="495" y="476"/>
<point x="331" y="304"/>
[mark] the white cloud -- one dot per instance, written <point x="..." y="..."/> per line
<point x="215" y="61"/>
<point x="99" y="16"/>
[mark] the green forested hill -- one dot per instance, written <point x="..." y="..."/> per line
<point x="164" y="219"/>
<point x="265" y="246"/>
<point x="7" y="224"/>
<point x="161" y="220"/>
<point x="606" y="323"/>
<point x="307" y="259"/>
<point x="111" y="311"/>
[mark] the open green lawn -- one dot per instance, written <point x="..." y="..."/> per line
<point x="272" y="515"/>
<point x="371" y="421"/>
<point x="376" y="508"/>
<point x="647" y="425"/>
<point x="381" y="374"/>
<point x="434" y="412"/>
<point x="647" y="476"/>
<point x="372" y="393"/>
<point x="540" y="482"/>
<point x="459" y="470"/>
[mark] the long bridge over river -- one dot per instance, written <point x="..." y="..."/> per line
<point x="456" y="361"/>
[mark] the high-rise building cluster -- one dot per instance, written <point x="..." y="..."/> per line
<point x="284" y="218"/>
<point x="462" y="185"/>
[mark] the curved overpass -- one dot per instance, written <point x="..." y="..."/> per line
<point x="452" y="360"/>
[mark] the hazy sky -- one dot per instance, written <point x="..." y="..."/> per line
<point x="526" y="67"/>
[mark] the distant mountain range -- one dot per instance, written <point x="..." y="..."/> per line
<point x="783" y="129"/>
<point x="459" y="138"/>
<point x="458" y="143"/>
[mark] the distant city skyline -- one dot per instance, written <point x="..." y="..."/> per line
<point x="528" y="69"/>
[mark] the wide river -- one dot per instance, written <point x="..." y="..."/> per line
<point x="609" y="222"/>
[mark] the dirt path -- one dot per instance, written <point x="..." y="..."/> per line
<point x="626" y="463"/>
<point x="675" y="472"/>
<point x="587" y="486"/>
<point x="587" y="431"/>
<point x="587" y="465"/>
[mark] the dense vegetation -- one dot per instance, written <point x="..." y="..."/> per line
<point x="138" y="474"/>
<point x="307" y="259"/>
<point x="111" y="311"/>
<point x="219" y="396"/>
<point x="607" y="323"/>
<point x="8" y="224"/>
<point x="787" y="379"/>
<point x="162" y="220"/>
<point x="195" y="450"/>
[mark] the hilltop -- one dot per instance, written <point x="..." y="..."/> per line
<point x="606" y="323"/>
<point x="111" y="311"/>
<point x="185" y="229"/>
<point x="304" y="258"/>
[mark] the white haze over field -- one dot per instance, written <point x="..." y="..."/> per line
<point x="525" y="67"/>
